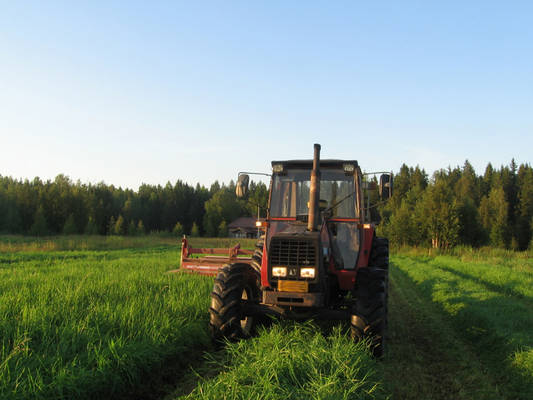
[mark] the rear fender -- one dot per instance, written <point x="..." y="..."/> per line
<point x="367" y="236"/>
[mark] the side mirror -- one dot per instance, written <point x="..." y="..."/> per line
<point x="385" y="186"/>
<point x="241" y="190"/>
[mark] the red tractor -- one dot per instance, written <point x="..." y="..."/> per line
<point x="319" y="256"/>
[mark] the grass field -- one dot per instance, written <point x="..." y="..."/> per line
<point x="87" y="317"/>
<point x="91" y="323"/>
<point x="461" y="327"/>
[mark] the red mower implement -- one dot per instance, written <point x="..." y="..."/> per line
<point x="209" y="261"/>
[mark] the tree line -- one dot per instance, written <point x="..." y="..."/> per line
<point x="458" y="207"/>
<point x="453" y="207"/>
<point x="62" y="206"/>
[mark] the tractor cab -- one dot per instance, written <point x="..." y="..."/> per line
<point x="339" y="208"/>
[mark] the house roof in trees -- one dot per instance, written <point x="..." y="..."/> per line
<point x="244" y="223"/>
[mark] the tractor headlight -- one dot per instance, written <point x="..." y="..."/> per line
<point x="279" y="272"/>
<point x="307" y="273"/>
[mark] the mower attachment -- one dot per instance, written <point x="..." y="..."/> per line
<point x="210" y="264"/>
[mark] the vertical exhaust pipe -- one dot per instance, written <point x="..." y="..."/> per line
<point x="314" y="192"/>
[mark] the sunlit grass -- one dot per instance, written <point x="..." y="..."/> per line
<point x="295" y="361"/>
<point x="489" y="304"/>
<point x="80" y="324"/>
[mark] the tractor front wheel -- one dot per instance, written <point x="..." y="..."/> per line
<point x="234" y="285"/>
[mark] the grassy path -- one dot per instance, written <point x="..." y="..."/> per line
<point x="458" y="331"/>
<point x="426" y="358"/>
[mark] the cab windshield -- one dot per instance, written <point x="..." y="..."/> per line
<point x="290" y="193"/>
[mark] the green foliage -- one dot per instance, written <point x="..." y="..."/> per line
<point x="70" y="227"/>
<point x="111" y="226"/>
<point x="525" y="206"/>
<point x="441" y="216"/>
<point x="223" y="229"/>
<point x="159" y="207"/>
<point x="140" y="228"/>
<point x="178" y="230"/>
<point x="195" y="232"/>
<point x="91" y="228"/>
<point x="459" y="207"/>
<point x="12" y="221"/>
<point x="39" y="227"/>
<point x="495" y="217"/>
<point x="119" y="227"/>
<point x="223" y="206"/>
<point x="132" y="230"/>
<point x="258" y="196"/>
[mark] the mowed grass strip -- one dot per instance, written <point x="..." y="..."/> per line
<point x="87" y="324"/>
<point x="293" y="360"/>
<point x="490" y="309"/>
<point x="426" y="357"/>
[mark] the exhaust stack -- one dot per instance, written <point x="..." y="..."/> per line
<point x="314" y="191"/>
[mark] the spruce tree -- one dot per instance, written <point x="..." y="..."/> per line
<point x="91" y="228"/>
<point x="120" y="226"/>
<point x="499" y="229"/>
<point x="131" y="229"/>
<point x="195" y="231"/>
<point x="223" y="229"/>
<point x="140" y="228"/>
<point x="39" y="227"/>
<point x="111" y="226"/>
<point x="178" y="230"/>
<point x="525" y="206"/>
<point x="70" y="226"/>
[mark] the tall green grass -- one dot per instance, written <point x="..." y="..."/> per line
<point x="295" y="361"/>
<point x="86" y="324"/>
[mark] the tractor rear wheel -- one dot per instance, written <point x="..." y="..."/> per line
<point x="234" y="285"/>
<point x="369" y="315"/>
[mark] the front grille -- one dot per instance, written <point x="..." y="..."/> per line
<point x="292" y="253"/>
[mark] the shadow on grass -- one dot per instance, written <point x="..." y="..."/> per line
<point x="503" y="290"/>
<point x="497" y="329"/>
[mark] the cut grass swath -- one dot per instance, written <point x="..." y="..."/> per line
<point x="295" y="361"/>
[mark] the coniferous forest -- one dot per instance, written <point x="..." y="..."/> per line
<point x="458" y="207"/>
<point x="455" y="206"/>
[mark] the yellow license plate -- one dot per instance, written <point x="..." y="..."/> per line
<point x="293" y="286"/>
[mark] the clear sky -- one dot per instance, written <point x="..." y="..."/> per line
<point x="130" y="92"/>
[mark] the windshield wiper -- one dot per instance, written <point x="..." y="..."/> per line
<point x="339" y="202"/>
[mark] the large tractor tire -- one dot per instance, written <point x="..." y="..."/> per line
<point x="369" y="315"/>
<point x="235" y="284"/>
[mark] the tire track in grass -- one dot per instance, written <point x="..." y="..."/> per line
<point x="202" y="367"/>
<point x="426" y="359"/>
<point x="495" y="326"/>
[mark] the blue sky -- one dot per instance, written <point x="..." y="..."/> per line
<point x="133" y="92"/>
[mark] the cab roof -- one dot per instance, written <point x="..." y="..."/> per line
<point x="308" y="164"/>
